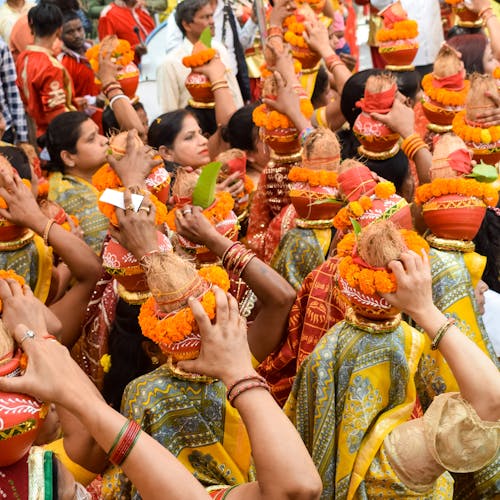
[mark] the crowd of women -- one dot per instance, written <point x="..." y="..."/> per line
<point x="279" y="301"/>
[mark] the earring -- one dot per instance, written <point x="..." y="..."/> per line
<point x="155" y="360"/>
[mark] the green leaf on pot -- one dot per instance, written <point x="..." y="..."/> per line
<point x="356" y="227"/>
<point x="484" y="173"/>
<point x="204" y="191"/>
<point x="206" y="37"/>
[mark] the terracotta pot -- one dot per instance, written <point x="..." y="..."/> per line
<point x="393" y="208"/>
<point x="10" y="232"/>
<point x="438" y="115"/>
<point x="158" y="182"/>
<point x="308" y="58"/>
<point x="20" y="418"/>
<point x="305" y="202"/>
<point x="489" y="156"/>
<point x="454" y="216"/>
<point x="282" y="140"/>
<point x="199" y="87"/>
<point x="368" y="306"/>
<point x="188" y="348"/>
<point x="396" y="55"/>
<point x="465" y="16"/>
<point x="374" y="135"/>
<point x="129" y="79"/>
<point x="123" y="266"/>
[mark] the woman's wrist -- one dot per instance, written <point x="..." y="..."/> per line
<point x="429" y="319"/>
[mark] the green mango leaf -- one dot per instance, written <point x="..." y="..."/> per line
<point x="484" y="173"/>
<point x="204" y="191"/>
<point x="356" y="226"/>
<point x="206" y="37"/>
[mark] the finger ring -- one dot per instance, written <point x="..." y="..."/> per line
<point x="187" y="211"/>
<point x="146" y="209"/>
<point x="29" y="334"/>
<point x="130" y="206"/>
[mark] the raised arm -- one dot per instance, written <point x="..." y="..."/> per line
<point x="476" y="375"/>
<point x="83" y="263"/>
<point x="275" y="295"/>
<point x="284" y="468"/>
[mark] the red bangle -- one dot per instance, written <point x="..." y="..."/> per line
<point x="126" y="440"/>
<point x="245" y="387"/>
<point x="255" y="376"/>
<point x="274" y="31"/>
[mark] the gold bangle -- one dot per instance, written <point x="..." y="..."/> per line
<point x="218" y="87"/>
<point x="440" y="333"/>
<point x="218" y="82"/>
<point x="46" y="231"/>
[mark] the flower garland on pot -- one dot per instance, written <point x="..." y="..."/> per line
<point x="313" y="177"/>
<point x="122" y="54"/>
<point x="174" y="327"/>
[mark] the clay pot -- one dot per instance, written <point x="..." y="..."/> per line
<point x="454" y="216"/>
<point x="394" y="208"/>
<point x="305" y="201"/>
<point x="199" y="87"/>
<point x="399" y="55"/>
<point x="368" y="306"/>
<point x="129" y="79"/>
<point x="20" y="419"/>
<point x="158" y="182"/>
<point x="307" y="57"/>
<point x="466" y="17"/>
<point x="374" y="135"/>
<point x="187" y="348"/>
<point x="438" y="115"/>
<point x="283" y="141"/>
<point x="11" y="232"/>
<point x="123" y="266"/>
<point x="489" y="156"/>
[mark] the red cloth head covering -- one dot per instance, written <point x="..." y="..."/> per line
<point x="378" y="102"/>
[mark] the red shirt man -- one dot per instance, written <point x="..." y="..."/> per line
<point x="129" y="21"/>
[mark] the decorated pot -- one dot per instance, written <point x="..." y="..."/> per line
<point x="11" y="232"/>
<point x="438" y="115"/>
<point x="199" y="87"/>
<point x="187" y="348"/>
<point x="368" y="306"/>
<point x="158" y="182"/>
<point x="454" y="216"/>
<point x="318" y="203"/>
<point x="394" y="208"/>
<point x="373" y="134"/>
<point x="129" y="79"/>
<point x="307" y="57"/>
<point x="20" y="418"/>
<point x="399" y="54"/>
<point x="467" y="18"/>
<point x="283" y="141"/>
<point x="491" y="156"/>
<point x="122" y="265"/>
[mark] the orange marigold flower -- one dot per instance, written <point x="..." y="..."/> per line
<point x="199" y="58"/>
<point x="384" y="190"/>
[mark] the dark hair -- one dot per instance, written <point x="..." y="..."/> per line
<point x="461" y="30"/>
<point x="240" y="131"/>
<point x="110" y="123"/>
<point x="164" y="129"/>
<point x="186" y="10"/>
<point x="205" y="118"/>
<point x="62" y="134"/>
<point x="18" y="159"/>
<point x="320" y="87"/>
<point x="70" y="15"/>
<point x="45" y="19"/>
<point x="472" y="48"/>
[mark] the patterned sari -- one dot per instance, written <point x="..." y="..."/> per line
<point x="79" y="198"/>
<point x="349" y="394"/>
<point x="299" y="252"/>
<point x="194" y="422"/>
<point x="317" y="308"/>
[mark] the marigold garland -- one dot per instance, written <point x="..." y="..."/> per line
<point x="9" y="274"/>
<point x="313" y="177"/>
<point x="109" y="210"/>
<point x="370" y="281"/>
<point x="107" y="178"/>
<point x="458" y="185"/>
<point x="178" y="325"/>
<point x="385" y="190"/>
<point x="444" y="96"/>
<point x="271" y="120"/>
<point x="401" y="30"/>
<point x="122" y="53"/>
<point x="353" y="210"/>
<point x="3" y="203"/>
<point x="470" y="133"/>
<point x="199" y="58"/>
<point x="215" y="213"/>
<point x="496" y="73"/>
